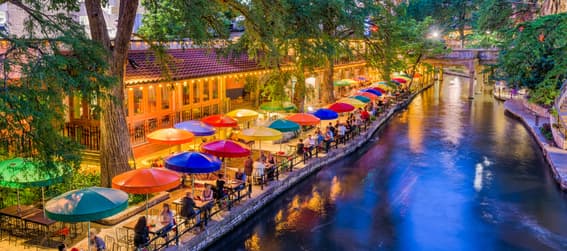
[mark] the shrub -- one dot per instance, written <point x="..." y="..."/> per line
<point x="545" y="130"/>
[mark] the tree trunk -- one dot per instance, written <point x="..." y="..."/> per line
<point x="327" y="95"/>
<point x="300" y="92"/>
<point x="115" y="148"/>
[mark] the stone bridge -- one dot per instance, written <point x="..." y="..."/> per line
<point x="474" y="60"/>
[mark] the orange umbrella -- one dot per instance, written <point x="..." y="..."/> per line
<point x="146" y="181"/>
<point x="171" y="136"/>
<point x="417" y="75"/>
<point x="304" y="119"/>
<point x="220" y="120"/>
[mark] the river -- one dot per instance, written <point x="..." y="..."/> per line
<point x="448" y="173"/>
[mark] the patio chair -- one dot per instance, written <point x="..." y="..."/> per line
<point x="123" y="236"/>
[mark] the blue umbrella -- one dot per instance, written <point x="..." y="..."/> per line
<point x="284" y="125"/>
<point x="377" y="93"/>
<point x="196" y="127"/>
<point x="193" y="162"/>
<point x="326" y="114"/>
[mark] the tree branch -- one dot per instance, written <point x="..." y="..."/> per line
<point x="97" y="24"/>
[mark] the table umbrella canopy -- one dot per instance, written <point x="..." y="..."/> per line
<point x="146" y="180"/>
<point x="369" y="95"/>
<point x="196" y="127"/>
<point x="362" y="78"/>
<point x="225" y="148"/>
<point x="88" y="204"/>
<point x="220" y="120"/>
<point x="277" y="106"/>
<point x="379" y="89"/>
<point x="385" y="85"/>
<point x="340" y="107"/>
<point x="284" y="125"/>
<point x="304" y="119"/>
<point x="260" y="133"/>
<point x="375" y="92"/>
<point x="172" y="136"/>
<point x="362" y="99"/>
<point x="22" y="173"/>
<point x="400" y="80"/>
<point x="354" y="102"/>
<point x="340" y="83"/>
<point x="326" y="114"/>
<point x="193" y="162"/>
<point x="243" y="114"/>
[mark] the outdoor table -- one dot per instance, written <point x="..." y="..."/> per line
<point x="43" y="223"/>
<point x="17" y="211"/>
<point x="203" y="206"/>
<point x="154" y="225"/>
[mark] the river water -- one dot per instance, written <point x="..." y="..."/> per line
<point x="446" y="174"/>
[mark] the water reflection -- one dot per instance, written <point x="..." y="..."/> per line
<point x="447" y="174"/>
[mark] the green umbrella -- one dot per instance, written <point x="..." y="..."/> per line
<point x="88" y="204"/>
<point x="22" y="173"/>
<point x="341" y="83"/>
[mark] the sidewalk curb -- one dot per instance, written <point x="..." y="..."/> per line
<point x="559" y="176"/>
<point x="239" y="215"/>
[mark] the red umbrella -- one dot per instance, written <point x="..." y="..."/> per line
<point x="369" y="95"/>
<point x="220" y="120"/>
<point x="341" y="107"/>
<point x="400" y="80"/>
<point x="171" y="136"/>
<point x="379" y="89"/>
<point x="225" y="148"/>
<point x="304" y="119"/>
<point x="147" y="180"/>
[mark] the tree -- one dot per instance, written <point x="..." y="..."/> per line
<point x="534" y="56"/>
<point x="52" y="60"/>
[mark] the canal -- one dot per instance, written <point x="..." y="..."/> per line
<point x="446" y="174"/>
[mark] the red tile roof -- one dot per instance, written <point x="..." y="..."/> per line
<point x="185" y="64"/>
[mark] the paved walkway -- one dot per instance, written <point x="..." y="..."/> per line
<point x="555" y="157"/>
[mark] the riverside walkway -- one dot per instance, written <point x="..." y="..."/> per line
<point x="191" y="236"/>
<point x="555" y="157"/>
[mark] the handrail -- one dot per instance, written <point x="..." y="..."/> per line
<point x="556" y="118"/>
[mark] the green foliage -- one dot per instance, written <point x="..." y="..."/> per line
<point x="42" y="74"/>
<point x="545" y="130"/>
<point x="76" y="180"/>
<point x="545" y="93"/>
<point x="535" y="56"/>
<point x="134" y="199"/>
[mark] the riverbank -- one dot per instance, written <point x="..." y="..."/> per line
<point x="241" y="213"/>
<point x="555" y="157"/>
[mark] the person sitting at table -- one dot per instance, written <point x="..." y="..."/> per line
<point x="220" y="187"/>
<point x="241" y="176"/>
<point x="307" y="146"/>
<point x="96" y="241"/>
<point x="270" y="165"/>
<point x="141" y="233"/>
<point x="258" y="172"/>
<point x="300" y="147"/>
<point x="188" y="208"/>
<point x="167" y="220"/>
<point x="262" y="157"/>
<point x="62" y="247"/>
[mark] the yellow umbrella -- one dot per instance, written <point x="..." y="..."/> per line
<point x="351" y="101"/>
<point x="243" y="114"/>
<point x="260" y="133"/>
<point x="382" y="85"/>
<point x="350" y="81"/>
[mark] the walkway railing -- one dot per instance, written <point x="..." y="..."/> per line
<point x="558" y="125"/>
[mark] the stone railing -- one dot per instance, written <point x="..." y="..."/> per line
<point x="558" y="126"/>
<point x="470" y="54"/>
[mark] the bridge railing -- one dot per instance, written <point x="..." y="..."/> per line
<point x="463" y="54"/>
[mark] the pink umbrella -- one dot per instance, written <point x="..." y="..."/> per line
<point x="400" y="80"/>
<point x="225" y="148"/>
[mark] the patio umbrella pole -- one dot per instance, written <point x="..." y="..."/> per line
<point x="43" y="200"/>
<point x="147" y="214"/>
<point x="89" y="236"/>
<point x="193" y="184"/>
